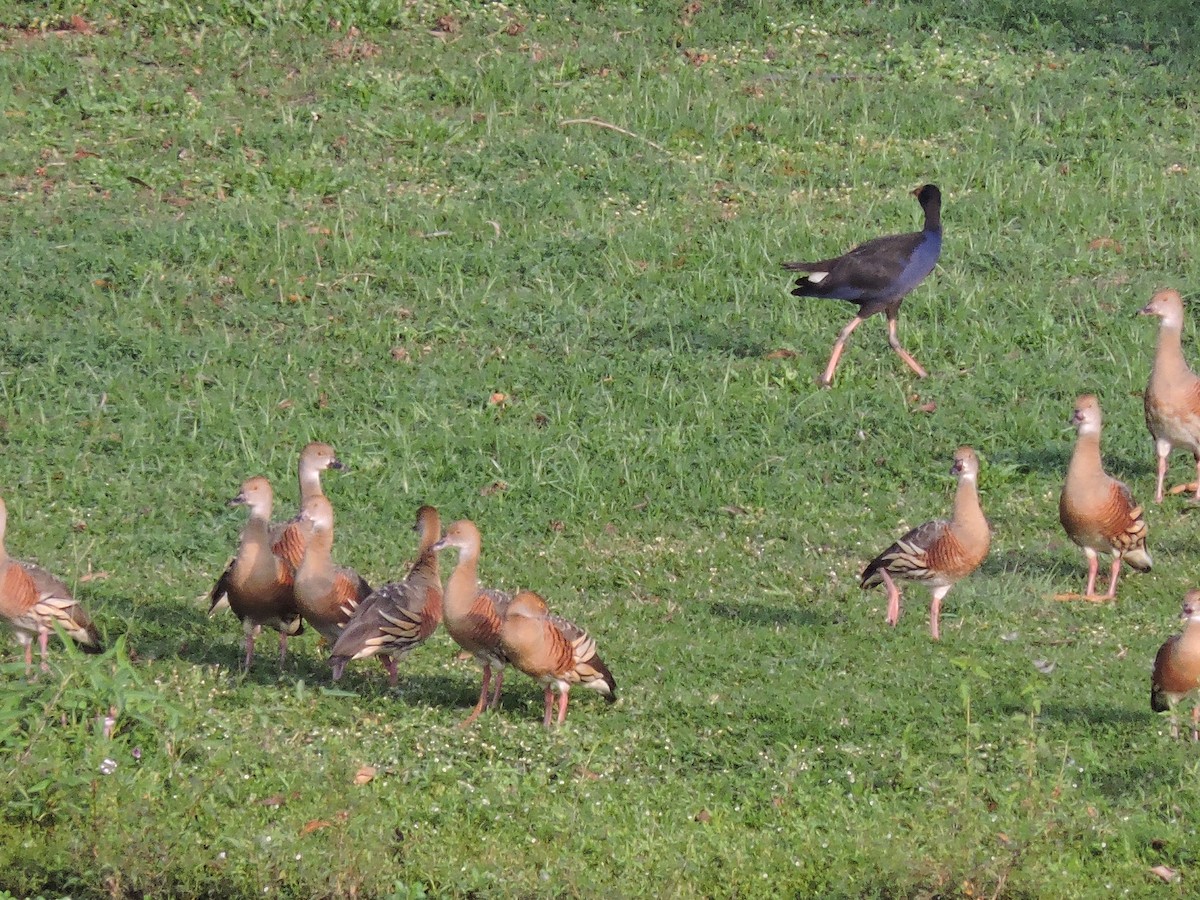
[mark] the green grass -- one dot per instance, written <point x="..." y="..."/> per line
<point x="230" y="228"/>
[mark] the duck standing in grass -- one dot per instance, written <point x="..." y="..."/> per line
<point x="257" y="584"/>
<point x="1172" y="397"/>
<point x="1096" y="510"/>
<point x="399" y="616"/>
<point x="554" y="652"/>
<point x="290" y="539"/>
<point x="877" y="276"/>
<point x="35" y="602"/>
<point x="1177" y="667"/>
<point x="327" y="594"/>
<point x="940" y="553"/>
<point x="473" y="614"/>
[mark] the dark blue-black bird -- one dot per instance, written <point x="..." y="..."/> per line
<point x="877" y="275"/>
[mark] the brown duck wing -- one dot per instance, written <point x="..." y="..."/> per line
<point x="909" y="556"/>
<point x="18" y="596"/>
<point x="219" y="595"/>
<point x="57" y="608"/>
<point x="1123" y="525"/>
<point x="585" y="665"/>
<point x="484" y="621"/>
<point x="1175" y="674"/>
<point x="390" y="620"/>
<point x="349" y="590"/>
<point x="290" y="543"/>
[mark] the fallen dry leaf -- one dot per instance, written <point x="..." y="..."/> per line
<point x="703" y="816"/>
<point x="1166" y="873"/>
<point x="92" y="576"/>
<point x="314" y="825"/>
<point x="364" y="775"/>
<point x="494" y="488"/>
<point x="499" y="398"/>
<point x="352" y="47"/>
<point x="927" y="407"/>
<point x="1106" y="243"/>
<point x="781" y="353"/>
<point x="399" y="354"/>
<point x="275" y="800"/>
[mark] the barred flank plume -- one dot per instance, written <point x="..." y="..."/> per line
<point x="398" y="616"/>
<point x="586" y="666"/>
<point x="36" y="603"/>
<point x="67" y="614"/>
<point x="290" y="543"/>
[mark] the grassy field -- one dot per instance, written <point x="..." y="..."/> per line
<point x="231" y="228"/>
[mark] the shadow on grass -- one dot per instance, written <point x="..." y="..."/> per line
<point x="183" y="634"/>
<point x="65" y="881"/>
<point x="446" y="691"/>
<point x="1157" y="27"/>
<point x="366" y="679"/>
<point x="265" y="670"/>
<point x="1058" y="565"/>
<point x="1053" y="461"/>
<point x="768" y="614"/>
<point x="1128" y="782"/>
<point x="700" y="339"/>
<point x="1091" y="716"/>
<point x="1047" y="461"/>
